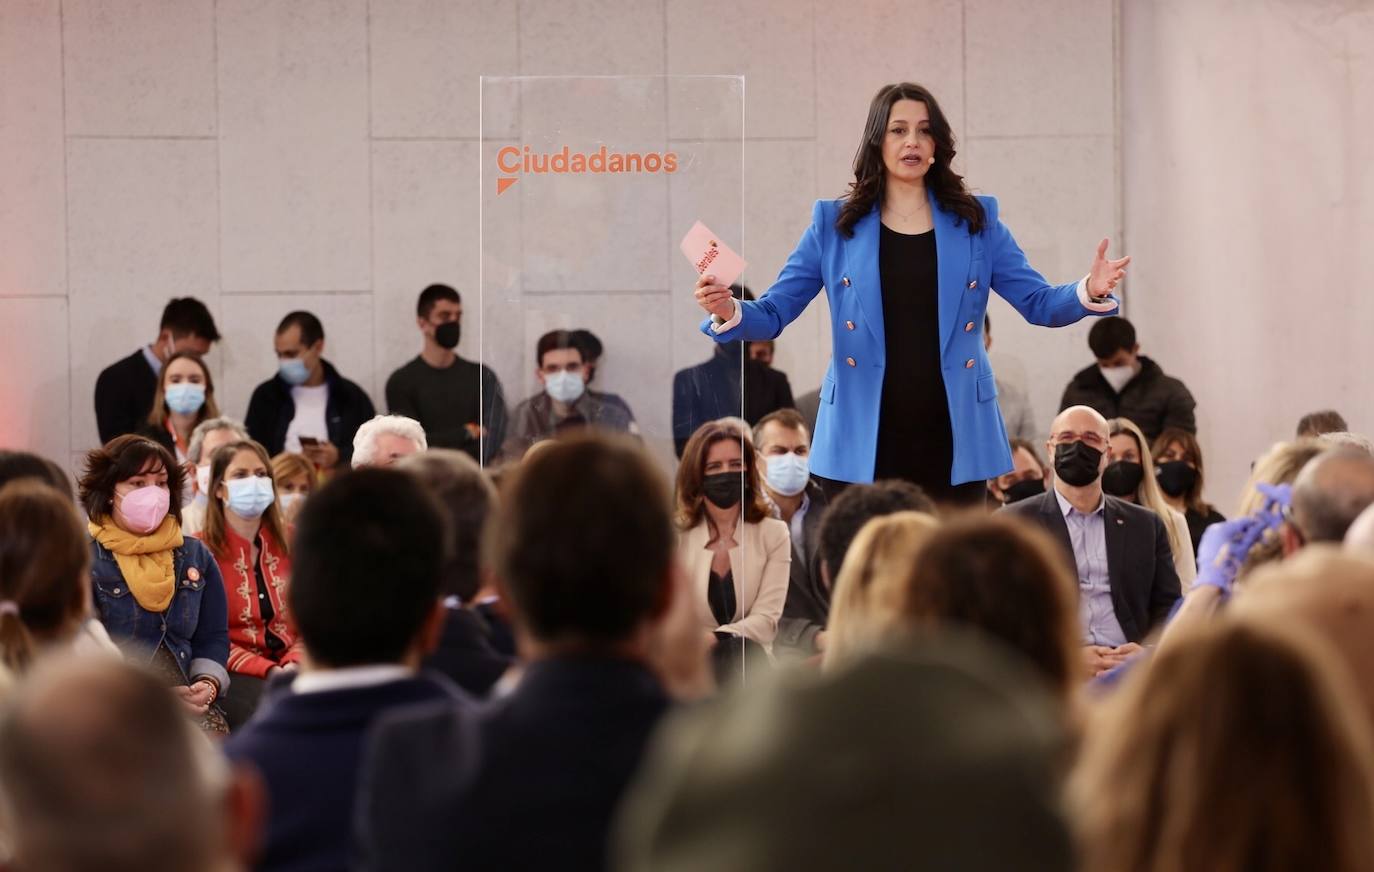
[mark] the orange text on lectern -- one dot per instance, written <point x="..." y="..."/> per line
<point x="513" y="162"/>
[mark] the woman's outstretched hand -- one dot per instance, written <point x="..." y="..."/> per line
<point x="714" y="298"/>
<point x="1105" y="274"/>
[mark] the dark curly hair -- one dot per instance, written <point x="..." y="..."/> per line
<point x="123" y="458"/>
<point x="869" y="173"/>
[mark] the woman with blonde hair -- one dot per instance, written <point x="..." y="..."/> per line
<point x="868" y="591"/>
<point x="1243" y="747"/>
<point x="1280" y="465"/>
<point x="294" y="475"/>
<point x="185" y="397"/>
<point x="1131" y="477"/>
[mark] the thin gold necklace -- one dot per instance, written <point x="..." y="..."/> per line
<point x="925" y="204"/>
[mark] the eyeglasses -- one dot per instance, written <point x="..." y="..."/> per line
<point x="1090" y="438"/>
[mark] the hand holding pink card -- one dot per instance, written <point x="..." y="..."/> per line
<point x="708" y="254"/>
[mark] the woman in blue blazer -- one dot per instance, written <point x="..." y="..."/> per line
<point x="907" y="259"/>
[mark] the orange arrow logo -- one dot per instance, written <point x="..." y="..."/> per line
<point x="503" y="184"/>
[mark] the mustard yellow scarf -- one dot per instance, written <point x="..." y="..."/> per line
<point x="144" y="561"/>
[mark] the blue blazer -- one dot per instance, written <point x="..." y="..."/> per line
<point x="846" y="438"/>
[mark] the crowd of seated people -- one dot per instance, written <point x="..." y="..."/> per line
<point x="323" y="638"/>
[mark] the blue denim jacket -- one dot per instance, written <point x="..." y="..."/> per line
<point x="195" y="627"/>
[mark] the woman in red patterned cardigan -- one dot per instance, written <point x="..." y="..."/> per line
<point x="244" y="531"/>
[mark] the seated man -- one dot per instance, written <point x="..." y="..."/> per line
<point x="386" y="439"/>
<point x="583" y="544"/>
<point x="565" y="403"/>
<point x="1125" y="384"/>
<point x="1026" y="479"/>
<point x="365" y="593"/>
<point x="1119" y="551"/>
<point x="208" y="437"/>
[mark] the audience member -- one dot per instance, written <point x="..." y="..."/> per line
<point x="1346" y="439"/>
<point x="1243" y="747"/>
<point x="583" y="544"/>
<point x="1330" y="492"/>
<point x="1120" y="552"/>
<point x="158" y="594"/>
<point x="736" y="556"/>
<point x="466" y="653"/>
<point x="208" y="437"/>
<point x="307" y="406"/>
<point x="938" y="754"/>
<point x="729" y="384"/>
<point x="16" y="465"/>
<point x="869" y="586"/>
<point x="1028" y="476"/>
<point x="592" y="350"/>
<point x="1316" y="423"/>
<point x="1131" y="476"/>
<point x="1126" y="384"/>
<point x="783" y="442"/>
<point x="775" y="382"/>
<point x="386" y="439"/>
<point x="294" y="476"/>
<point x="44" y="573"/>
<point x="809" y="407"/>
<point x="124" y="390"/>
<point x="1280" y="465"/>
<point x="1012" y="398"/>
<point x="100" y="772"/>
<point x="564" y="399"/>
<point x="185" y="398"/>
<point x="1178" y="469"/>
<point x="1360" y="536"/>
<point x="369" y="553"/>
<point x="1005" y="580"/>
<point x="459" y="402"/>
<point x="245" y="533"/>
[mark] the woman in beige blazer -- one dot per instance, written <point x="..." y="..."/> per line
<point x="736" y="556"/>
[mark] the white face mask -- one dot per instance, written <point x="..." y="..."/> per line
<point x="565" y="387"/>
<point x="1117" y="376"/>
<point x="203" y="479"/>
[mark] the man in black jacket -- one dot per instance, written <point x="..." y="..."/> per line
<point x="307" y="406"/>
<point x="1125" y="384"/>
<point x="1119" y="551"/>
<point x="124" y="390"/>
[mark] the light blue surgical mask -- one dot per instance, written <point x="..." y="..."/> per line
<point x="249" y="497"/>
<point x="565" y="387"/>
<point x="185" y="398"/>
<point x="294" y="371"/>
<point x="788" y="473"/>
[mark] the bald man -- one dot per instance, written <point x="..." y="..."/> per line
<point x="101" y="770"/>
<point x="1328" y="495"/>
<point x="1119" y="551"/>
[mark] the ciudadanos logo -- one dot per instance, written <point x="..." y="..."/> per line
<point x="512" y="162"/>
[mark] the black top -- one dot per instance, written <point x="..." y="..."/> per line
<point x="124" y="396"/>
<point x="446" y="401"/>
<point x="720" y="596"/>
<point x="915" y="441"/>
<point x="712" y="390"/>
<point x="1198" y="522"/>
<point x="466" y="653"/>
<point x="275" y="645"/>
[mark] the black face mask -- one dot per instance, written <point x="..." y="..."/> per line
<point x="447" y="334"/>
<point x="1122" y="478"/>
<point x="1176" y="477"/>
<point x="1023" y="490"/>
<point x="1076" y="463"/>
<point x="723" y="489"/>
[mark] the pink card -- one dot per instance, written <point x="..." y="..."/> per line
<point x="709" y="255"/>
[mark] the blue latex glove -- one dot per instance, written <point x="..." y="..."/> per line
<point x="1225" y="546"/>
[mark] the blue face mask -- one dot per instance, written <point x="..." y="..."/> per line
<point x="565" y="387"/>
<point x="788" y="473"/>
<point x="185" y="398"/>
<point x="249" y="497"/>
<point x="294" y="371"/>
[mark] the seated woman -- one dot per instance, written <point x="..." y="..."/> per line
<point x="294" y="476"/>
<point x="44" y="569"/>
<point x="160" y="596"/>
<point x="1178" y="466"/>
<point x="1131" y="477"/>
<point x="185" y="397"/>
<point x="244" y="531"/>
<point x="737" y="557"/>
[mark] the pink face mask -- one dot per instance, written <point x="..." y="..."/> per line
<point x="145" y="507"/>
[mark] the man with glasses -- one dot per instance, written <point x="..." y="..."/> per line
<point x="1120" y="551"/>
<point x="564" y="404"/>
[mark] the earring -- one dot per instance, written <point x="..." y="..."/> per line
<point x="932" y="160"/>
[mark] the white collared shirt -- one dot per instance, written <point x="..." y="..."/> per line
<point x="350" y="678"/>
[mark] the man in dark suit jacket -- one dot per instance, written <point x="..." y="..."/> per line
<point x="534" y="779"/>
<point x="124" y="390"/>
<point x="712" y="390"/>
<point x="365" y="642"/>
<point x="1120" y="551"/>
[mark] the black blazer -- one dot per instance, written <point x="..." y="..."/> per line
<point x="807" y="608"/>
<point x="124" y="396"/>
<point x="711" y="390"/>
<point x="530" y="781"/>
<point x="1140" y="563"/>
<point x="271" y="411"/>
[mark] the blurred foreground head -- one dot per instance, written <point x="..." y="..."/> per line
<point x="936" y="753"/>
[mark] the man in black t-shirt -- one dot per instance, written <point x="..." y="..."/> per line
<point x="459" y="402"/>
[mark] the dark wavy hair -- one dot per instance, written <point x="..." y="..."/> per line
<point x="869" y="173"/>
